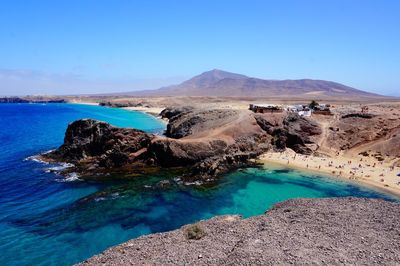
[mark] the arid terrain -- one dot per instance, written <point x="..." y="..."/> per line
<point x="332" y="231"/>
<point x="349" y="143"/>
<point x="203" y="143"/>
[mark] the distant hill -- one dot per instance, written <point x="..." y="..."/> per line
<point x="221" y="83"/>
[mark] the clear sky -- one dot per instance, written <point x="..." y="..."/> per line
<point x="83" y="46"/>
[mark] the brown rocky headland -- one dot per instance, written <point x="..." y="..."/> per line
<point x="204" y="143"/>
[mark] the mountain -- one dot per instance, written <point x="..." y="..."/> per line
<point x="221" y="83"/>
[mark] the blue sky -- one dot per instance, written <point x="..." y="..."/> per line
<point x="65" y="47"/>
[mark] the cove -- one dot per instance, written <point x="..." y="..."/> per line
<point x="45" y="220"/>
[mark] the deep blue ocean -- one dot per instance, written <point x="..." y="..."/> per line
<point x="46" y="219"/>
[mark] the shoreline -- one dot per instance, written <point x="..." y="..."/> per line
<point x="153" y="111"/>
<point x="84" y="103"/>
<point x="365" y="173"/>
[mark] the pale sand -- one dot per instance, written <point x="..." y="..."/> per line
<point x="85" y="103"/>
<point x="155" y="111"/>
<point x="365" y="170"/>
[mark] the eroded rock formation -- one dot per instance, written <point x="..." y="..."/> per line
<point x="290" y="131"/>
<point x="101" y="144"/>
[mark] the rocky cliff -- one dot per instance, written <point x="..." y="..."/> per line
<point x="332" y="231"/>
<point x="292" y="131"/>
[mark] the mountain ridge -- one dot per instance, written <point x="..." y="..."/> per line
<point x="222" y="83"/>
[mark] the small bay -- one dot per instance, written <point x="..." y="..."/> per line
<point x="48" y="220"/>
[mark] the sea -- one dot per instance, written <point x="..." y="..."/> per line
<point x="48" y="219"/>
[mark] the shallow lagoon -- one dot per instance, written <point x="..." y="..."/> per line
<point x="45" y="220"/>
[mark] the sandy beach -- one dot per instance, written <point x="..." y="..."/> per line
<point x="365" y="170"/>
<point x="83" y="102"/>
<point x="155" y="111"/>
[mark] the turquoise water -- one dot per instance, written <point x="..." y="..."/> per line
<point x="45" y="220"/>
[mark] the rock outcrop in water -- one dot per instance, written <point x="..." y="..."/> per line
<point x="100" y="144"/>
<point x="204" y="143"/>
<point x="332" y="231"/>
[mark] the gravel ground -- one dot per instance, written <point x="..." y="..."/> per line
<point x="331" y="231"/>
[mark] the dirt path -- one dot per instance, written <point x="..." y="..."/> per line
<point x="325" y="123"/>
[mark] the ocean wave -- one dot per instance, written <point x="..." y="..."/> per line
<point x="195" y="183"/>
<point x="115" y="195"/>
<point x="36" y="158"/>
<point x="71" y="177"/>
<point x="99" y="199"/>
<point x="46" y="152"/>
<point x="59" y="167"/>
<point x="109" y="197"/>
<point x="56" y="168"/>
<point x="178" y="180"/>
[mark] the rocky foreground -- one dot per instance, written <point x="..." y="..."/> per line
<point x="331" y="231"/>
<point x="202" y="143"/>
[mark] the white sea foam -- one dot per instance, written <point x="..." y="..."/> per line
<point x="195" y="183"/>
<point x="59" y="167"/>
<point x="46" y="152"/>
<point x="72" y="177"/>
<point x="115" y="195"/>
<point x="36" y="158"/>
<point x="99" y="199"/>
<point x="178" y="180"/>
<point x="110" y="197"/>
